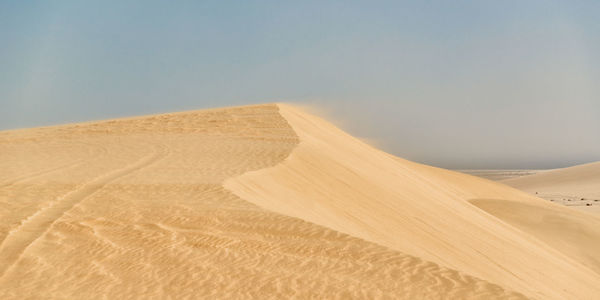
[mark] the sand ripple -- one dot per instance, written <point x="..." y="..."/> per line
<point x="135" y="208"/>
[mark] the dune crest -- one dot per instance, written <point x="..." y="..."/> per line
<point x="336" y="181"/>
<point x="136" y="208"/>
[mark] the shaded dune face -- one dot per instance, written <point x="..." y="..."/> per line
<point x="137" y="208"/>
<point x="336" y="181"/>
<point x="571" y="232"/>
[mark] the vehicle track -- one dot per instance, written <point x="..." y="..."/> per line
<point x="37" y="224"/>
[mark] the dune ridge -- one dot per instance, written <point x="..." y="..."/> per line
<point x="137" y="208"/>
<point x="336" y="181"/>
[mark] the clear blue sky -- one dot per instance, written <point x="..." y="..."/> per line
<point x="458" y="84"/>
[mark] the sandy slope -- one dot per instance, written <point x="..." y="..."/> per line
<point x="578" y="186"/>
<point x="336" y="181"/>
<point x="136" y="208"/>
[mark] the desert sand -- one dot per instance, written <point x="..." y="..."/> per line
<point x="498" y="175"/>
<point x="269" y="201"/>
<point x="577" y="187"/>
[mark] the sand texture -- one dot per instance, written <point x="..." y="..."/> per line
<point x="263" y="202"/>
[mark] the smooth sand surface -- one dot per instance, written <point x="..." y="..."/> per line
<point x="577" y="187"/>
<point x="268" y="201"/>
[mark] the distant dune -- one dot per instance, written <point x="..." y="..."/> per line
<point x="498" y="175"/>
<point x="268" y="201"/>
<point x="577" y="187"/>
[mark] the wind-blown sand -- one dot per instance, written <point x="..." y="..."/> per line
<point x="268" y="201"/>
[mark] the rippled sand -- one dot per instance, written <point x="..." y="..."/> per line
<point x="237" y="203"/>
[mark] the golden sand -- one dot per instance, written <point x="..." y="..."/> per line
<point x="268" y="201"/>
<point x="577" y="187"/>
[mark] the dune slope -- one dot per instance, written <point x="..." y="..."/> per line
<point x="336" y="181"/>
<point x="136" y="208"/>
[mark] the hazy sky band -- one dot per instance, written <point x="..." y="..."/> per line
<point x="459" y="84"/>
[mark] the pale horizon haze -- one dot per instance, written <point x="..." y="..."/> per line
<point x="462" y="85"/>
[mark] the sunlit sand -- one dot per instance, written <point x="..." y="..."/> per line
<point x="269" y="201"/>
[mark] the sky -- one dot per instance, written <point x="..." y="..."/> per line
<point x="455" y="84"/>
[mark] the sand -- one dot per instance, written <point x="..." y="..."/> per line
<point x="577" y="187"/>
<point x="268" y="201"/>
<point x="498" y="175"/>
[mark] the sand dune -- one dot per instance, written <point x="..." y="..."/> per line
<point x="498" y="175"/>
<point x="577" y="187"/>
<point x="337" y="181"/>
<point x="267" y="201"/>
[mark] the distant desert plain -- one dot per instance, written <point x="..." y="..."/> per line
<point x="271" y="202"/>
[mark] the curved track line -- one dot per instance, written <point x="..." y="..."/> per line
<point x="30" y="176"/>
<point x="36" y="225"/>
<point x="40" y="173"/>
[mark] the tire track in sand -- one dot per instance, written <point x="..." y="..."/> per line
<point x="17" y="241"/>
<point x="39" y="173"/>
<point x="30" y="176"/>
